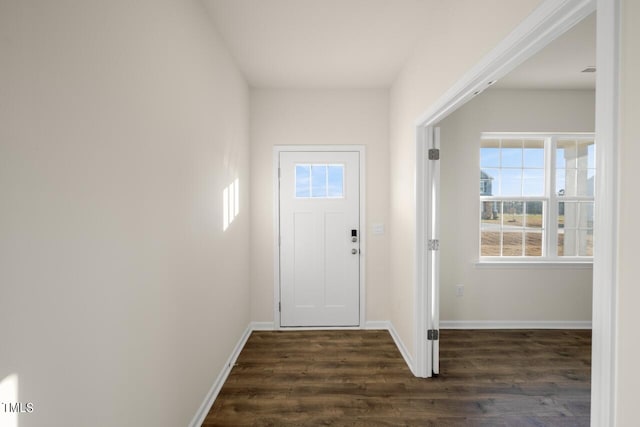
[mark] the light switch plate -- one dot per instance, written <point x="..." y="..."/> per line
<point x="377" y="229"/>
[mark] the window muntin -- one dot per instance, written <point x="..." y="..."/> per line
<point x="575" y="167"/>
<point x="512" y="228"/>
<point x="575" y="228"/>
<point x="530" y="210"/>
<point x="516" y="166"/>
<point x="319" y="181"/>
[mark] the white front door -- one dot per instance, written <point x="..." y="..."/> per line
<point x="319" y="238"/>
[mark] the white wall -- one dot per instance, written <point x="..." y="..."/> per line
<point x="456" y="36"/>
<point x="523" y="294"/>
<point x="120" y="125"/>
<point x="628" y="373"/>
<point x="304" y="117"/>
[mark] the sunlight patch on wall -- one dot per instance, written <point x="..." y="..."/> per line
<point x="230" y="203"/>
<point x="8" y="395"/>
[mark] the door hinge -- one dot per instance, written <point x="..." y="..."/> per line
<point x="280" y="307"/>
<point x="433" y="334"/>
<point x="434" y="154"/>
<point x="433" y="244"/>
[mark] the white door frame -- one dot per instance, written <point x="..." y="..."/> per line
<point x="276" y="225"/>
<point x="551" y="19"/>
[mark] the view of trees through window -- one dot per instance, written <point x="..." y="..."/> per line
<point x="537" y="195"/>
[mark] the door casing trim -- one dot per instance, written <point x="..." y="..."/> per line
<point x="547" y="22"/>
<point x="277" y="149"/>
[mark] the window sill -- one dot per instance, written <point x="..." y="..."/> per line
<point x="531" y="265"/>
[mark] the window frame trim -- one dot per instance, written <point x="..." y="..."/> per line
<point x="550" y="216"/>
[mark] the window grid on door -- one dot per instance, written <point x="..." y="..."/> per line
<point x="319" y="181"/>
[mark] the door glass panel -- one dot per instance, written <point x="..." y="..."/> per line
<point x="319" y="264"/>
<point x="319" y="181"/>
<point x="335" y="181"/>
<point x="303" y="181"/>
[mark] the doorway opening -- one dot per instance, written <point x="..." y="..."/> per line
<point x="548" y="22"/>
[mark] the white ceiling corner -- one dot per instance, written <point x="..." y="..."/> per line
<point x="365" y="43"/>
<point x="319" y="43"/>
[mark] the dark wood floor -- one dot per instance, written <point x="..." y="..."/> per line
<point x="358" y="378"/>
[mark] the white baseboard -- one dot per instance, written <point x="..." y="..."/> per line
<point x="401" y="347"/>
<point x="262" y="326"/>
<point x="198" y="419"/>
<point x="388" y="326"/>
<point x="515" y="324"/>
<point x="377" y="325"/>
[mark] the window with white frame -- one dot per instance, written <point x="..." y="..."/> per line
<point x="536" y="196"/>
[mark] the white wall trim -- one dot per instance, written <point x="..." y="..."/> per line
<point x="547" y="22"/>
<point x="276" y="237"/>
<point x="206" y="405"/>
<point x="421" y="314"/>
<point x="534" y="265"/>
<point x="377" y="325"/>
<point x="605" y="277"/>
<point x="262" y="326"/>
<point x="277" y="149"/>
<point x="515" y="324"/>
<point x="401" y="347"/>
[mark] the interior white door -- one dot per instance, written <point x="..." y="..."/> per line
<point x="433" y="254"/>
<point x="319" y="238"/>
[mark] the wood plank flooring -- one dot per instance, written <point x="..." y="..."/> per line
<point x="358" y="378"/>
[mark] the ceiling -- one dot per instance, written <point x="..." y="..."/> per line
<point x="319" y="43"/>
<point x="365" y="43"/>
<point x="559" y="65"/>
